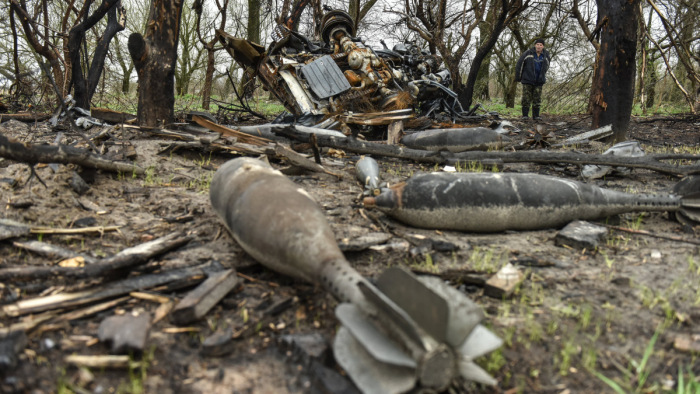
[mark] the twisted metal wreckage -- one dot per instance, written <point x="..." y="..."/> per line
<point x="339" y="83"/>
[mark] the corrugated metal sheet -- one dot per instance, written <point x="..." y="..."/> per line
<point x="325" y="77"/>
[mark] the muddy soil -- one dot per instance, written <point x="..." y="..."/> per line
<point x="579" y="315"/>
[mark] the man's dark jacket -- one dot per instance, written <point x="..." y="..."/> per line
<point x="525" y="68"/>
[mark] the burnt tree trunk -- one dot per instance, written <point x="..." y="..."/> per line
<point x="208" y="80"/>
<point x="509" y="94"/>
<point x="83" y="88"/>
<point x="613" y="81"/>
<point x="154" y="56"/>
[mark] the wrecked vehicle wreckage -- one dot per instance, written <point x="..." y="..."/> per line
<point x="340" y="83"/>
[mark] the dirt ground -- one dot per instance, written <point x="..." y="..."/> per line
<point x="579" y="314"/>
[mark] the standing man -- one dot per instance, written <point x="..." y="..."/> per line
<point x="530" y="70"/>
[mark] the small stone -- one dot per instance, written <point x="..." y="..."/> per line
<point x="78" y="184"/>
<point x="126" y="332"/>
<point x="11" y="345"/>
<point x="305" y="348"/>
<point x="581" y="235"/>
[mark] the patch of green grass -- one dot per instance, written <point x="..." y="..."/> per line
<point x="689" y="386"/>
<point x="426" y="264"/>
<point x="569" y="349"/>
<point x="638" y="372"/>
<point x="485" y="260"/>
<point x="138" y="371"/>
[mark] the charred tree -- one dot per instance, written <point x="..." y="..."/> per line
<point x="84" y="88"/>
<point x="154" y="55"/>
<point x="210" y="46"/>
<point x="615" y="74"/>
<point x="247" y="88"/>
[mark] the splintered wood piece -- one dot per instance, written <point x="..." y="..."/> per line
<point x="64" y="154"/>
<point x="687" y="343"/>
<point x="51" y="251"/>
<point x="394" y="132"/>
<point x="127" y="258"/>
<point x="125" y="332"/>
<point x="8" y="231"/>
<point x="111" y="290"/>
<point x="504" y="282"/>
<point x="200" y="300"/>
<point x="109" y="361"/>
<point x="299" y="160"/>
<point x="248" y="139"/>
<point x="111" y="116"/>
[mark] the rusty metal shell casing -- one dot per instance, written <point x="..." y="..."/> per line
<point x="278" y="224"/>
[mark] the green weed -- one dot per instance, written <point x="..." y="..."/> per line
<point x="485" y="260"/>
<point x="639" y="372"/>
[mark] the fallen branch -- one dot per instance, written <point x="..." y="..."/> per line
<point x="111" y="290"/>
<point x="649" y="234"/>
<point x="650" y="162"/>
<point x="83" y="230"/>
<point x="63" y="154"/>
<point x="25" y="117"/>
<point x="299" y="160"/>
<point x="101" y="361"/>
<point x="127" y="258"/>
<point x="242" y="137"/>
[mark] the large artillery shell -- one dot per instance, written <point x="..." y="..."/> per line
<point x="484" y="202"/>
<point x="456" y="140"/>
<point x="277" y="223"/>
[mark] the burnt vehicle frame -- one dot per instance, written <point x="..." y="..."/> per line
<point x="338" y="82"/>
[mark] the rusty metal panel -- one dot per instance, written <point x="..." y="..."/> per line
<point x="325" y="77"/>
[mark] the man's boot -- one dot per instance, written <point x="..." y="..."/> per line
<point x="536" y="113"/>
<point x="525" y="111"/>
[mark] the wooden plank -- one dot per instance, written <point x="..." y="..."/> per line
<point x="394" y="132"/>
<point x="110" y="116"/>
<point x="247" y="138"/>
<point x="504" y="282"/>
<point x="200" y="300"/>
<point x="101" y="361"/>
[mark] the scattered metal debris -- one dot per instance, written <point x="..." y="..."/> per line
<point x="80" y="116"/>
<point x="592" y="135"/>
<point x="623" y="149"/>
<point x="482" y="202"/>
<point x="581" y="235"/>
<point x="405" y="332"/>
<point x="338" y="79"/>
<point x="539" y="138"/>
